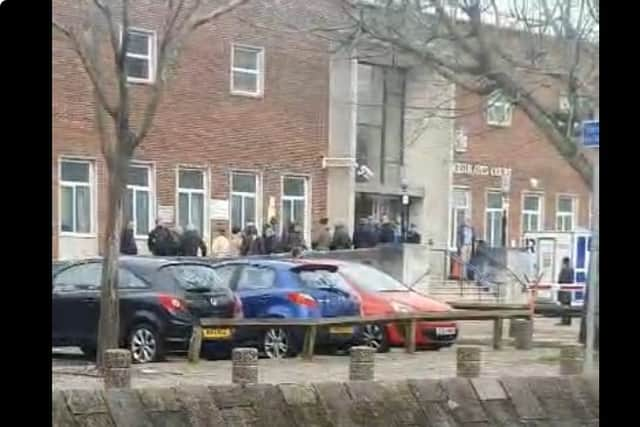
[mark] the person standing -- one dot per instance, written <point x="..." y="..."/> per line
<point x="464" y="241"/>
<point x="269" y="240"/>
<point x="296" y="239"/>
<point x="155" y="236"/>
<point x="322" y="236"/>
<point x="565" y="277"/>
<point x="413" y="236"/>
<point x="387" y="231"/>
<point x="191" y="241"/>
<point x="235" y="248"/>
<point x="221" y="246"/>
<point x="341" y="239"/>
<point x="128" y="241"/>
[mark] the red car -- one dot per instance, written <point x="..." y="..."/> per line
<point x="382" y="294"/>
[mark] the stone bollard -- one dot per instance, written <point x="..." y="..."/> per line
<point x="571" y="359"/>
<point x="468" y="361"/>
<point x="362" y="364"/>
<point x="117" y="369"/>
<point x="523" y="333"/>
<point x="244" y="366"/>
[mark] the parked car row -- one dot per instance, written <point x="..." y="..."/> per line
<point x="160" y="298"/>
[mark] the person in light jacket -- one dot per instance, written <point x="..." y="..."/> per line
<point x="465" y="239"/>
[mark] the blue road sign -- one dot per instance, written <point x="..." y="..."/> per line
<point x="591" y="133"/>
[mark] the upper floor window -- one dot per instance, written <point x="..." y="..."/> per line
<point x="140" y="56"/>
<point x="499" y="109"/>
<point x="247" y="70"/>
<point x="565" y="213"/>
<point x="531" y="212"/>
<point x="75" y="196"/>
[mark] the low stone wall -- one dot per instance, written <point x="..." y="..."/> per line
<point x="566" y="401"/>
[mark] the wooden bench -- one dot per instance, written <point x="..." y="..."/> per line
<point x="408" y="320"/>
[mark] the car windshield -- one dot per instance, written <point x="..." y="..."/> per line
<point x="192" y="277"/>
<point x="323" y="279"/>
<point x="371" y="279"/>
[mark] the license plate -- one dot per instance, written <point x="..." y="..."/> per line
<point x="446" y="331"/>
<point x="342" y="330"/>
<point x="216" y="334"/>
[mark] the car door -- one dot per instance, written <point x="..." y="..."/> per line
<point x="75" y="302"/>
<point x="255" y="286"/>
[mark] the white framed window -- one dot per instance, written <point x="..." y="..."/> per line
<point x="76" y="197"/>
<point x="461" y="141"/>
<point x="494" y="213"/>
<point x="247" y="70"/>
<point x="140" y="62"/>
<point x="244" y="197"/>
<point x="532" y="208"/>
<point x="566" y="213"/>
<point x="138" y="200"/>
<point x="191" y="199"/>
<point x="499" y="109"/>
<point x="295" y="202"/>
<point x="460" y="209"/>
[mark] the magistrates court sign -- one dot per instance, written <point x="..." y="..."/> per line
<point x="479" y="170"/>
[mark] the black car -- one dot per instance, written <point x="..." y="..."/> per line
<point x="159" y="300"/>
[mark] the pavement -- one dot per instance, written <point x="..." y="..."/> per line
<point x="70" y="370"/>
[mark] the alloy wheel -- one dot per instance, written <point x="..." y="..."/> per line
<point x="276" y="343"/>
<point x="143" y="345"/>
<point x="373" y="336"/>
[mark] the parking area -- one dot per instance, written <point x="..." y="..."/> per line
<point x="71" y="370"/>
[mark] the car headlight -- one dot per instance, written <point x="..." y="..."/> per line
<point x="398" y="307"/>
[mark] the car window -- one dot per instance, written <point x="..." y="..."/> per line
<point x="323" y="279"/>
<point x="225" y="273"/>
<point x="253" y="278"/>
<point x="128" y="280"/>
<point x="83" y="276"/>
<point x="371" y="278"/>
<point x="194" y="277"/>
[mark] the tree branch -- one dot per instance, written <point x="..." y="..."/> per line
<point x="201" y="20"/>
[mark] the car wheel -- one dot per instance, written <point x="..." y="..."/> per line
<point x="375" y="336"/>
<point x="145" y="344"/>
<point x="277" y="343"/>
<point x="89" y="350"/>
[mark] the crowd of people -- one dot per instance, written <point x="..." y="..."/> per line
<point x="171" y="240"/>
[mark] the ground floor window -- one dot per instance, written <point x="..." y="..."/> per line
<point x="137" y="202"/>
<point x="460" y="209"/>
<point x="294" y="202"/>
<point x="76" y="201"/>
<point x="494" y="214"/>
<point x="243" y="199"/>
<point x="191" y="199"/>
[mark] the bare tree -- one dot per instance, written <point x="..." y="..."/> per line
<point x="515" y="46"/>
<point x="98" y="32"/>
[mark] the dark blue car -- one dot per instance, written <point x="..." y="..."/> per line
<point x="286" y="289"/>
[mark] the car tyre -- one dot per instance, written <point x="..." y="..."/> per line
<point x="375" y="336"/>
<point x="145" y="344"/>
<point x="278" y="343"/>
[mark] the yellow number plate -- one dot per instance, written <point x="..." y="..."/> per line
<point x="214" y="334"/>
<point x="341" y="330"/>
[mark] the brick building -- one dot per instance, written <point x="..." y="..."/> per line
<point x="545" y="192"/>
<point x="239" y="136"/>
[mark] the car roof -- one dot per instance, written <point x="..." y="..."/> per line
<point x="278" y="264"/>
<point x="140" y="262"/>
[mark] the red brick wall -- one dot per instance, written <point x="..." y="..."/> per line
<point x="528" y="153"/>
<point x="200" y="123"/>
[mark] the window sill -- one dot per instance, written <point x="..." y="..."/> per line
<point x="499" y="125"/>
<point x="80" y="235"/>
<point x="134" y="81"/>
<point x="258" y="95"/>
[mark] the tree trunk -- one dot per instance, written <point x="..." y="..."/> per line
<point x="109" y="324"/>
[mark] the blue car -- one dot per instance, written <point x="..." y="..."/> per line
<point x="287" y="289"/>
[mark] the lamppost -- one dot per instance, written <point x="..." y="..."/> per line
<point x="404" y="185"/>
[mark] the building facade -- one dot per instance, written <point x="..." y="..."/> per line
<point x="503" y="165"/>
<point x="239" y="136"/>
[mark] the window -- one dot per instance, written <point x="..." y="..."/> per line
<point x="531" y="213"/>
<point x="80" y="277"/>
<point x="294" y="202"/>
<point x="253" y="278"/>
<point x="128" y="280"/>
<point x="243" y="199"/>
<point x="371" y="279"/>
<point x="499" y="110"/>
<point x="194" y="277"/>
<point x="75" y="197"/>
<point x="137" y="203"/>
<point x="565" y="213"/>
<point x="191" y="197"/>
<point x="460" y="208"/>
<point x="247" y="70"/>
<point x="226" y="273"/>
<point x="140" y="57"/>
<point x="493" y="219"/>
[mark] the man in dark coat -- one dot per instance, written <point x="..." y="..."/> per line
<point x="387" y="233"/>
<point x="413" y="236"/>
<point x="361" y="235"/>
<point x="127" y="241"/>
<point x="269" y="240"/>
<point x="564" y="297"/>
<point x="191" y="241"/>
<point x="341" y="239"/>
<point x="155" y="237"/>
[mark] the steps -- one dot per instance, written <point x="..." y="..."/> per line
<point x="454" y="290"/>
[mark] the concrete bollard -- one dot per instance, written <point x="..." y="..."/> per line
<point x="571" y="359"/>
<point x="117" y="369"/>
<point x="244" y="366"/>
<point x="468" y="361"/>
<point x="362" y="363"/>
<point x="523" y="333"/>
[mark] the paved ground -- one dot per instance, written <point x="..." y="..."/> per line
<point x="71" y="371"/>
